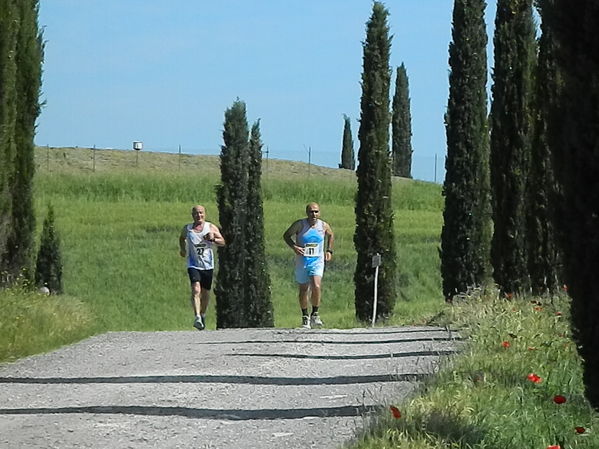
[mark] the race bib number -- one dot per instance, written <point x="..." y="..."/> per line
<point x="311" y="250"/>
<point x="200" y="249"/>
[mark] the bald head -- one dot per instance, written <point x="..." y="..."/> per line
<point x="198" y="213"/>
<point x="313" y="212"/>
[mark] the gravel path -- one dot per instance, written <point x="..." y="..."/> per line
<point x="234" y="388"/>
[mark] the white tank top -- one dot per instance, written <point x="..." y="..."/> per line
<point x="199" y="251"/>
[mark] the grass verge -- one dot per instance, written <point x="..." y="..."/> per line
<point x="32" y="323"/>
<point x="516" y="385"/>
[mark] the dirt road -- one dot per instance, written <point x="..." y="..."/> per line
<point x="238" y="388"/>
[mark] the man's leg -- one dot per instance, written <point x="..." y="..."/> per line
<point x="204" y="301"/>
<point x="303" y="302"/>
<point x="315" y="283"/>
<point x="197" y="293"/>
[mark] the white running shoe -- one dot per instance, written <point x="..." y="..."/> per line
<point x="305" y="322"/>
<point x="315" y="321"/>
<point x="199" y="323"/>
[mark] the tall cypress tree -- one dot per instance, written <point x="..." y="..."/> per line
<point x="544" y="258"/>
<point x="576" y="150"/>
<point x="511" y="125"/>
<point x="466" y="234"/>
<point x="348" y="158"/>
<point x="258" y="304"/>
<point x="29" y="55"/>
<point x="8" y="116"/>
<point x="374" y="213"/>
<point x="232" y="201"/>
<point x="401" y="125"/>
<point x="48" y="269"/>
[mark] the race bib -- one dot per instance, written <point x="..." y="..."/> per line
<point x="311" y="250"/>
<point x="200" y="249"/>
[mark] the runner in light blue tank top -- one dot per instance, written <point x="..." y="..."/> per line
<point x="312" y="242"/>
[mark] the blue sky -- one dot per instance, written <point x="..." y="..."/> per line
<point x="164" y="72"/>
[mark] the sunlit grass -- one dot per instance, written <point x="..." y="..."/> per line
<point x="119" y="229"/>
<point x="483" y="398"/>
<point x="31" y="323"/>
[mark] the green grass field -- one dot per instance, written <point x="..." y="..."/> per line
<point x="120" y="224"/>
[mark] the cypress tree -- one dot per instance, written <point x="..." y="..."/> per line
<point x="576" y="151"/>
<point x="48" y="268"/>
<point x="29" y="55"/>
<point x="401" y="125"/>
<point x="8" y="115"/>
<point x="466" y="233"/>
<point x="231" y="199"/>
<point x="544" y="259"/>
<point x="258" y="304"/>
<point x="374" y="214"/>
<point x="348" y="158"/>
<point x="511" y="125"/>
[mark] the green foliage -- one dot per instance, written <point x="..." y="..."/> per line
<point x="29" y="56"/>
<point x="401" y="125"/>
<point x="258" y="304"/>
<point x="231" y="196"/>
<point x="466" y="235"/>
<point x="31" y="323"/>
<point x="483" y="398"/>
<point x="511" y="127"/>
<point x="374" y="213"/>
<point x="348" y="158"/>
<point x="544" y="256"/>
<point x="575" y="145"/>
<point x="8" y="115"/>
<point x="48" y="267"/>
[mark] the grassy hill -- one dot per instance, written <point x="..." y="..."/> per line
<point x="119" y="214"/>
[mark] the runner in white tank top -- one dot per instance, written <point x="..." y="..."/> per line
<point x="195" y="244"/>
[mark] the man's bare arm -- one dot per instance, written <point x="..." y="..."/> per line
<point x="182" y="241"/>
<point x="293" y="230"/>
<point x="330" y="242"/>
<point x="216" y="237"/>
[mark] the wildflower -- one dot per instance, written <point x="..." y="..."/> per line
<point x="579" y="429"/>
<point x="534" y="378"/>
<point x="559" y="399"/>
<point x="395" y="412"/>
<point x="505" y="344"/>
<point x="555" y="446"/>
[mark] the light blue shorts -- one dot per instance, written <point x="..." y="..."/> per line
<point x="304" y="270"/>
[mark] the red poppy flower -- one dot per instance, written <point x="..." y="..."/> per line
<point x="395" y="412"/>
<point x="579" y="429"/>
<point x="534" y="378"/>
<point x="555" y="446"/>
<point x="505" y="344"/>
<point x="559" y="399"/>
